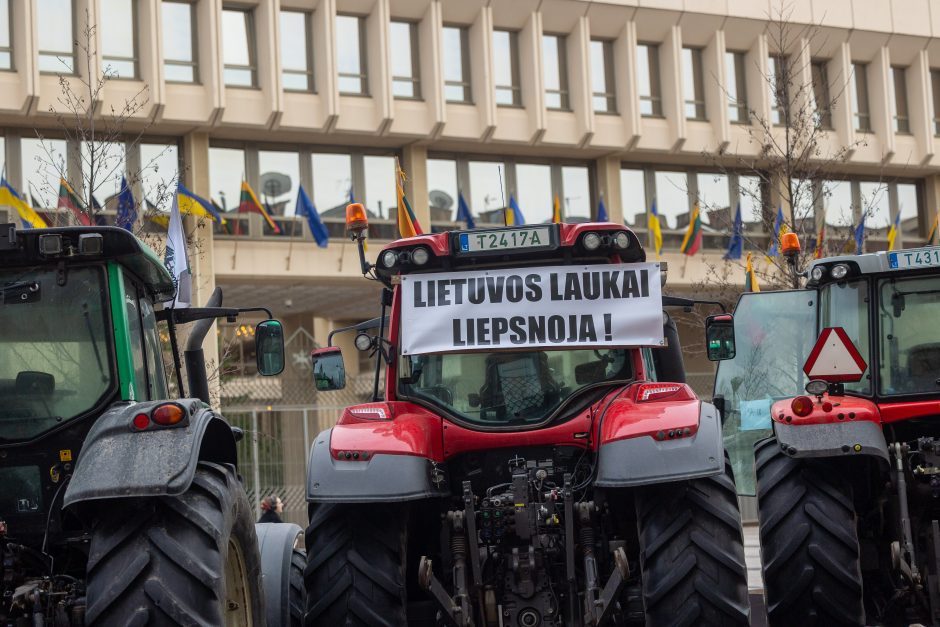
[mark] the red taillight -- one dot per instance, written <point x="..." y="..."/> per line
<point x="802" y="406"/>
<point x="168" y="414"/>
<point x="369" y="413"/>
<point x="141" y="421"/>
<point x="656" y="391"/>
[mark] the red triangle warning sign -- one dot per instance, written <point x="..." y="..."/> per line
<point x="834" y="358"/>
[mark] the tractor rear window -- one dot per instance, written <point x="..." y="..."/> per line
<point x="55" y="362"/>
<point x="909" y="310"/>
<point x="511" y="388"/>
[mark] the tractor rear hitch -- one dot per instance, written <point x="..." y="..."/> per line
<point x="599" y="603"/>
<point x="453" y="614"/>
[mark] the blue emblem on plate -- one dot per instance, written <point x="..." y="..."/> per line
<point x="464" y="242"/>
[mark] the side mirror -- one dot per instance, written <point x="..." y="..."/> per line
<point x="269" y="347"/>
<point x="719" y="337"/>
<point x="329" y="372"/>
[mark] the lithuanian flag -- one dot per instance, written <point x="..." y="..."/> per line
<point x="750" y="278"/>
<point x="556" y="210"/>
<point x="408" y="225"/>
<point x="11" y="198"/>
<point x="693" y="235"/>
<point x="248" y="203"/>
<point x="68" y="199"/>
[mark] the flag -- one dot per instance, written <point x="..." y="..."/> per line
<point x="860" y="237"/>
<point x="248" y="203"/>
<point x="602" y="211"/>
<point x="655" y="229"/>
<point x="736" y="245"/>
<point x="556" y="210"/>
<point x="176" y="260"/>
<point x="514" y="213"/>
<point x="777" y="232"/>
<point x="11" y="198"/>
<point x="408" y="225"/>
<point x="693" y="234"/>
<point x="306" y="208"/>
<point x="463" y="212"/>
<point x="893" y="231"/>
<point x="95" y="204"/>
<point x="126" y="207"/>
<point x="352" y="198"/>
<point x="196" y="205"/>
<point x="750" y="277"/>
<point x="68" y="199"/>
<point x="933" y="231"/>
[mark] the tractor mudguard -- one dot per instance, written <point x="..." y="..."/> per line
<point x="379" y="478"/>
<point x="664" y="456"/>
<point x="119" y="461"/>
<point x="838" y="439"/>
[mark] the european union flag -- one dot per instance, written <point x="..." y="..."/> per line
<point x="736" y="245"/>
<point x="306" y="208"/>
<point x="860" y="236"/>
<point x="126" y="207"/>
<point x="602" y="212"/>
<point x="514" y="216"/>
<point x="463" y="212"/>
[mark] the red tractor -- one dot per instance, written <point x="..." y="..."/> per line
<point x="531" y="455"/>
<point x="845" y="424"/>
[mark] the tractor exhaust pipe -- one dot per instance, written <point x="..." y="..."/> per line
<point x="195" y="357"/>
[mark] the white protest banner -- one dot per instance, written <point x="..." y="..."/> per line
<point x="551" y="307"/>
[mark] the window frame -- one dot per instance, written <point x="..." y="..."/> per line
<point x="135" y="43"/>
<point x="466" y="84"/>
<point x="819" y="68"/>
<point x="935" y="96"/>
<point x="738" y="101"/>
<point x="308" y="37"/>
<point x="515" y="88"/>
<point x="902" y="123"/>
<point x="779" y="90"/>
<point x="252" y="67"/>
<point x="363" y="75"/>
<point x="73" y="55"/>
<point x="610" y="95"/>
<point x="193" y="45"/>
<point x="861" y="115"/>
<point x="698" y="85"/>
<point x="9" y="49"/>
<point x="563" y="92"/>
<point x="656" y="95"/>
<point x="415" y="78"/>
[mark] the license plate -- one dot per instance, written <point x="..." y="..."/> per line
<point x="914" y="258"/>
<point x="505" y="239"/>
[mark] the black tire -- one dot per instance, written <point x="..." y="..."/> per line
<point x="809" y="541"/>
<point x="161" y="561"/>
<point x="298" y="561"/>
<point x="692" y="553"/>
<point x="355" y="573"/>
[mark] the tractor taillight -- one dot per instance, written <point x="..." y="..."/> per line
<point x="656" y="391"/>
<point x="168" y="414"/>
<point x="141" y="421"/>
<point x="802" y="406"/>
<point x="369" y="413"/>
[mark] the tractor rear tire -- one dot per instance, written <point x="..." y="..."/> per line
<point x="298" y="561"/>
<point x="692" y="553"/>
<point x="809" y="541"/>
<point x="189" y="559"/>
<point x="355" y="573"/>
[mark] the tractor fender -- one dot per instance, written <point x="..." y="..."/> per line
<point x="119" y="461"/>
<point x="276" y="542"/>
<point x="380" y="477"/>
<point x="839" y="439"/>
<point x="663" y="455"/>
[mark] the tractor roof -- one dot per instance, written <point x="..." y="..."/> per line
<point x="921" y="260"/>
<point x="23" y="248"/>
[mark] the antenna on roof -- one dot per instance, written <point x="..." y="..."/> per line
<point x="502" y="194"/>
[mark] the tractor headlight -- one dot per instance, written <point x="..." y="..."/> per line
<point x="50" y="245"/>
<point x="389" y="258"/>
<point x="363" y="341"/>
<point x="621" y="240"/>
<point x="591" y="241"/>
<point x="839" y="271"/>
<point x="818" y="273"/>
<point x="420" y="256"/>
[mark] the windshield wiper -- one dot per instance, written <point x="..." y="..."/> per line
<point x="19" y="293"/>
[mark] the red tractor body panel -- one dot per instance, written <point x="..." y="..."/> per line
<point x="843" y="409"/>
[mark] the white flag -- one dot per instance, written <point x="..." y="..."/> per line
<point x="176" y="259"/>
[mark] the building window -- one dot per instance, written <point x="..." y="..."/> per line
<point x="506" y="47"/>
<point x="296" y="51"/>
<point x="119" y="45"/>
<point x="226" y="171"/>
<point x="902" y="123"/>
<point x="672" y="199"/>
<point x="602" y="76"/>
<point x="456" y="64"/>
<point x="279" y="181"/>
<point x="534" y="191"/>
<point x="44" y="164"/>
<point x="238" y="48"/>
<point x="332" y="183"/>
<point x="405" y="72"/>
<point x="56" y="37"/>
<point x="778" y="80"/>
<point x="859" y="90"/>
<point x="576" y="193"/>
<point x="935" y="90"/>
<point x="380" y="195"/>
<point x="351" y="58"/>
<point x="6" y="46"/>
<point x="823" y="104"/>
<point x="488" y="197"/>
<point x="647" y="62"/>
<point x="443" y="190"/>
<point x="555" y="66"/>
<point x="693" y="83"/>
<point x="159" y="169"/>
<point x="737" y="87"/>
<point x="179" y="56"/>
<point x="633" y="196"/>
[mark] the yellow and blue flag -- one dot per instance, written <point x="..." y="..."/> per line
<point x="860" y="237"/>
<point x="736" y="245"/>
<point x="655" y="229"/>
<point x="893" y="231"/>
<point x="779" y="230"/>
<point x="196" y="205"/>
<point x="408" y="225"/>
<point x="933" y="231"/>
<point x="11" y="198"/>
<point x="514" y="213"/>
<point x="556" y="210"/>
<point x="463" y="212"/>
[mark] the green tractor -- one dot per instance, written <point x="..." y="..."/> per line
<point x="118" y="504"/>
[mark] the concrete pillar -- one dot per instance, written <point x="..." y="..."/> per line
<point x="932" y="205"/>
<point x="414" y="161"/>
<point x="608" y="187"/>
